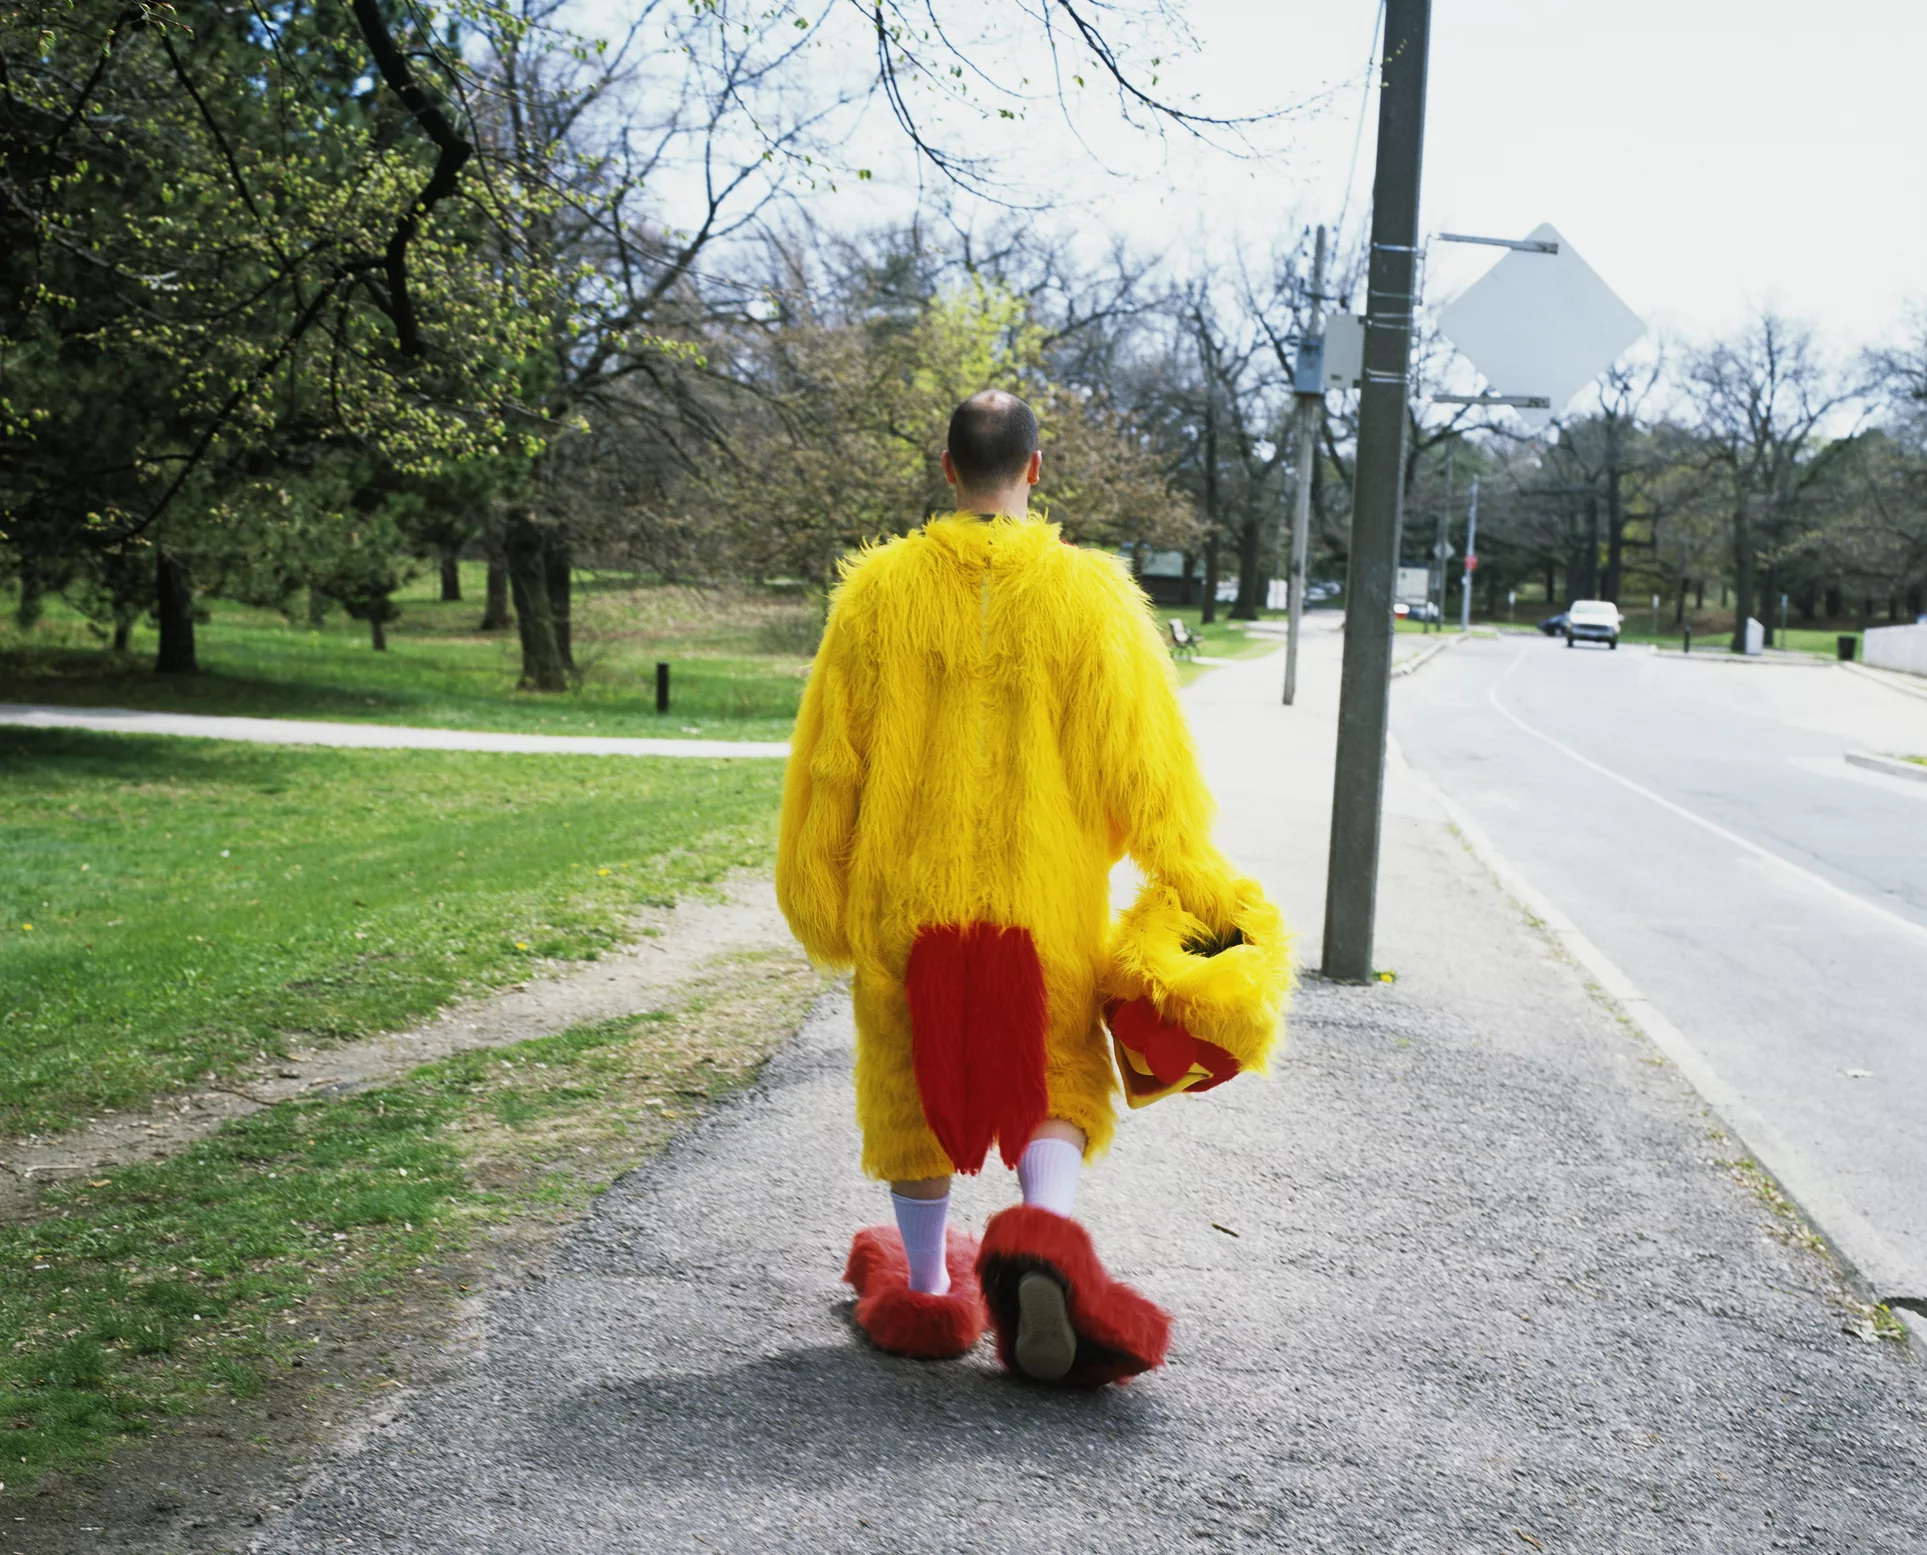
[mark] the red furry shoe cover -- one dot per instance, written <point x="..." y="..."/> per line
<point x="913" y="1322"/>
<point x="1119" y="1333"/>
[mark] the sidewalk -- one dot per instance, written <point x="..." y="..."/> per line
<point x="305" y="731"/>
<point x="1465" y="1275"/>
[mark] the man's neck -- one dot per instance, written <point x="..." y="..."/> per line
<point x="1014" y="503"/>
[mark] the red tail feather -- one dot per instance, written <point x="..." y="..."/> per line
<point x="978" y="1015"/>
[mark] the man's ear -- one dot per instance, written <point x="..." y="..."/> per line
<point x="949" y="469"/>
<point x="1032" y="470"/>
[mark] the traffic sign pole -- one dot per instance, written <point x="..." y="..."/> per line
<point x="1471" y="559"/>
<point x="1351" y="877"/>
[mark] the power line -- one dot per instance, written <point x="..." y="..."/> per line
<point x="1358" y="129"/>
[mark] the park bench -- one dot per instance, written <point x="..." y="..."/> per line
<point x="1184" y="641"/>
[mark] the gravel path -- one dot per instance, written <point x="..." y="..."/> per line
<point x="302" y="731"/>
<point x="1467" y="1274"/>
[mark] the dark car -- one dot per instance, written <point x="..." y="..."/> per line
<point x="1554" y="626"/>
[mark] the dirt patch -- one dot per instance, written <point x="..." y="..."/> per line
<point x="673" y="945"/>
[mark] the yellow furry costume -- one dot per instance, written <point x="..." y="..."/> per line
<point x="991" y="722"/>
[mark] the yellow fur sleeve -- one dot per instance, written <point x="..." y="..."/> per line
<point x="821" y="788"/>
<point x="1167" y="947"/>
<point x="1140" y="748"/>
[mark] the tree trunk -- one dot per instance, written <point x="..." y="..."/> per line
<point x="174" y="609"/>
<point x="451" y="577"/>
<point x="1188" y="585"/>
<point x="1699" y="594"/>
<point x="1742" y="574"/>
<point x="1208" y="611"/>
<point x="26" y="614"/>
<point x="1615" y="534"/>
<point x="543" y="668"/>
<point x="556" y="567"/>
<point x="1251" y="587"/>
<point x="1552" y="585"/>
<point x="1592" y="546"/>
<point x="496" y="616"/>
<point x="317" y="609"/>
<point x="377" y="630"/>
<point x="1679" y="609"/>
<point x="123" y="626"/>
<point x="1770" y="599"/>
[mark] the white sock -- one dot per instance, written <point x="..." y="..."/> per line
<point x="1048" y="1171"/>
<point x="921" y="1222"/>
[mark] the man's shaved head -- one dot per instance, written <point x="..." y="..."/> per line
<point x="992" y="436"/>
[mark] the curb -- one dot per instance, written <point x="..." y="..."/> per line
<point x="1893" y="766"/>
<point x="1875" y="1272"/>
<point x="1425" y="656"/>
<point x="1884" y="678"/>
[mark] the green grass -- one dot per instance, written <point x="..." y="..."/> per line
<point x="737" y="660"/>
<point x="174" y="908"/>
<point x="141" y="1293"/>
<point x="1795" y="639"/>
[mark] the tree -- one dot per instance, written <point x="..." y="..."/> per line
<point x="230" y="262"/>
<point x="1761" y="401"/>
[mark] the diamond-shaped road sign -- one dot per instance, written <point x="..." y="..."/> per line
<point x="1540" y="323"/>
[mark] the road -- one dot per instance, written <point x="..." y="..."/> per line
<point x="1697" y="821"/>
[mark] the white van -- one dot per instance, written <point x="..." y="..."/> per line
<point x="1593" y="621"/>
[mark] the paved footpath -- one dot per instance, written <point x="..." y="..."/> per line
<point x="313" y="731"/>
<point x="1465" y="1275"/>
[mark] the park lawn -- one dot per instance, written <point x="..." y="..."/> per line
<point x="737" y="658"/>
<point x="172" y="910"/>
<point x="231" y="1274"/>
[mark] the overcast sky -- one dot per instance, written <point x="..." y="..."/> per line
<point x="1706" y="156"/>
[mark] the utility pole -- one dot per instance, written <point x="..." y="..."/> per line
<point x="1471" y="559"/>
<point x="1442" y="541"/>
<point x="1351" y="876"/>
<point x="1311" y="409"/>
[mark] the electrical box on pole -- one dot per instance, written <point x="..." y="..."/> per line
<point x="1351" y="879"/>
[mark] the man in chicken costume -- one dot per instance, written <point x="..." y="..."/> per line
<point x="991" y="722"/>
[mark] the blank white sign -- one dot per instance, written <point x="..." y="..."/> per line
<point x="1541" y="324"/>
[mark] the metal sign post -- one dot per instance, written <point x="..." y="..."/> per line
<point x="1351" y="878"/>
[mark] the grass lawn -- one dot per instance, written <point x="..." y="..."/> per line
<point x="1795" y="639"/>
<point x="170" y="908"/>
<point x="232" y="1272"/>
<point x="737" y="660"/>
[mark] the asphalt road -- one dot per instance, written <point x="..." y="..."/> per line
<point x="1696" y="819"/>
